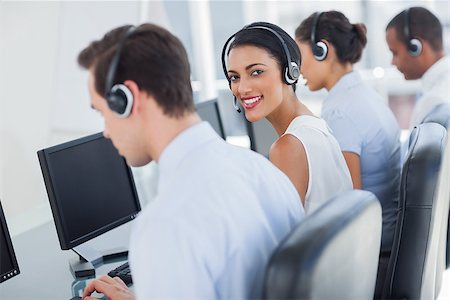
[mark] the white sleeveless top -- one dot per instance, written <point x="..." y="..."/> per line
<point x="328" y="171"/>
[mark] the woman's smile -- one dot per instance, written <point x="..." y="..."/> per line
<point x="251" y="102"/>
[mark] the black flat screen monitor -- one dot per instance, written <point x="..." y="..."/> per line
<point x="90" y="188"/>
<point x="8" y="262"/>
<point x="262" y="135"/>
<point x="209" y="111"/>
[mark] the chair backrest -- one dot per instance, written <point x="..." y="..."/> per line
<point x="440" y="114"/>
<point x="412" y="271"/>
<point x="443" y="191"/>
<point x="331" y="254"/>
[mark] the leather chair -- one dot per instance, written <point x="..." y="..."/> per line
<point x="441" y="115"/>
<point x="331" y="254"/>
<point x="416" y="264"/>
<point x="443" y="191"/>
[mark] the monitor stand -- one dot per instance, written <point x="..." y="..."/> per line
<point x="88" y="258"/>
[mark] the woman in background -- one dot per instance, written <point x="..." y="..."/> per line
<point x="364" y="126"/>
<point x="262" y="70"/>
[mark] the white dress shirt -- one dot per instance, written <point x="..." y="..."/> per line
<point x="220" y="212"/>
<point x="436" y="90"/>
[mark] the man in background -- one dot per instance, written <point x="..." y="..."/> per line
<point x="414" y="37"/>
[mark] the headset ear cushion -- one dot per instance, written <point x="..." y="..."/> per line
<point x="320" y="51"/>
<point x="292" y="74"/>
<point x="120" y="100"/>
<point x="295" y="70"/>
<point x="414" y="47"/>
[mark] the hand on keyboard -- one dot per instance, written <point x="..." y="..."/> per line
<point x="111" y="288"/>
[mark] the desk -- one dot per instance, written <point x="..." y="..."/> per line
<point x="44" y="267"/>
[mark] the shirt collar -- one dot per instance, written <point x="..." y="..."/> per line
<point x="345" y="82"/>
<point x="435" y="72"/>
<point x="180" y="147"/>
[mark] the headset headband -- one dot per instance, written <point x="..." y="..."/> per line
<point x="414" y="45"/>
<point x="406" y="30"/>
<point x="291" y="68"/>
<point x="314" y="27"/>
<point x="115" y="60"/>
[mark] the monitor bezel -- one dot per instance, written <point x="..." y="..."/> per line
<point x="63" y="236"/>
<point x="215" y="103"/>
<point x="15" y="271"/>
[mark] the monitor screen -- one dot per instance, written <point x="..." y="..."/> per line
<point x="262" y="135"/>
<point x="209" y="111"/>
<point x="8" y="262"/>
<point x="90" y="188"/>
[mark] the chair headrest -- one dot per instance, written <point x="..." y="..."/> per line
<point x="440" y="114"/>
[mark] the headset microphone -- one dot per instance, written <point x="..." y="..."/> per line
<point x="236" y="107"/>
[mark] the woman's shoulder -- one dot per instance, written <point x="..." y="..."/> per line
<point x="286" y="145"/>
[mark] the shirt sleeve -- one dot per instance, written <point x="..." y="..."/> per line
<point x="345" y="130"/>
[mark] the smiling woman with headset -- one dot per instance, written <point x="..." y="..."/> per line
<point x="261" y="63"/>
<point x="364" y="126"/>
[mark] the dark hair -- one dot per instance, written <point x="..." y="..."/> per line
<point x="333" y="26"/>
<point x="266" y="40"/>
<point x="422" y="24"/>
<point x="152" y="57"/>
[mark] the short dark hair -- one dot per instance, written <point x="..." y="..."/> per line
<point x="333" y="26"/>
<point x="422" y="24"/>
<point x="152" y="57"/>
<point x="266" y="40"/>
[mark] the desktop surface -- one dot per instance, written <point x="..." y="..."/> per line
<point x="44" y="267"/>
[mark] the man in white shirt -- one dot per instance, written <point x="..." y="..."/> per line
<point x="414" y="37"/>
<point x="220" y="210"/>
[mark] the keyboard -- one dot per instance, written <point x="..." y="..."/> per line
<point x="123" y="272"/>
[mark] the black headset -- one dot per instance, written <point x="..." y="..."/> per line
<point x="414" y="45"/>
<point x="319" y="48"/>
<point x="119" y="97"/>
<point x="292" y="70"/>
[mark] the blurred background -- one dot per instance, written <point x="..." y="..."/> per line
<point x="44" y="99"/>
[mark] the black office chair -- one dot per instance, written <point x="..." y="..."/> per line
<point x="332" y="254"/>
<point x="416" y="264"/>
<point x="441" y="115"/>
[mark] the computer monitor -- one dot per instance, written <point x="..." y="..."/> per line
<point x="262" y="135"/>
<point x="209" y="111"/>
<point x="8" y="262"/>
<point x="91" y="191"/>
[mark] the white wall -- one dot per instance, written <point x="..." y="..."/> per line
<point x="28" y="34"/>
<point x="44" y="99"/>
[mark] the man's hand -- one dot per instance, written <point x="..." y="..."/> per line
<point x="113" y="288"/>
